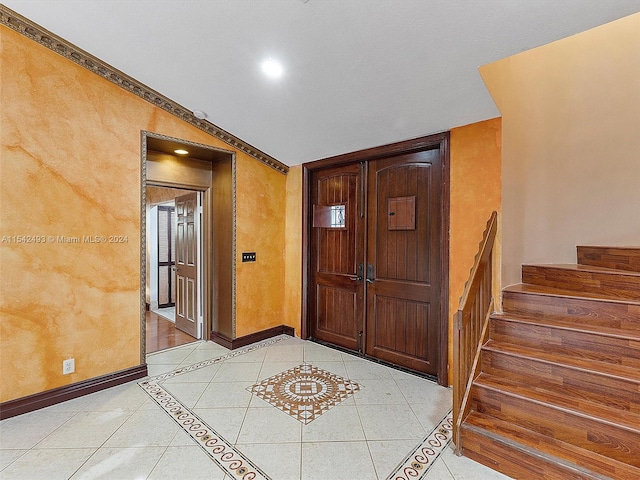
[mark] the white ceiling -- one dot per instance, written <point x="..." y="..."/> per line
<point x="358" y="73"/>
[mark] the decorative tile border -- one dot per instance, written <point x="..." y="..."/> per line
<point x="222" y="358"/>
<point x="416" y="465"/>
<point x="230" y="460"/>
<point x="304" y="392"/>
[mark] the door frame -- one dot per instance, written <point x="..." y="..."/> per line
<point x="440" y="141"/>
<point x="218" y="228"/>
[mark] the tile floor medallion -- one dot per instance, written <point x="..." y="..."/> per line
<point x="417" y="464"/>
<point x="305" y="392"/>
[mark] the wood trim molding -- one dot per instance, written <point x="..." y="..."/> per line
<point x="40" y="400"/>
<point x="440" y="141"/>
<point x="232" y="343"/>
<point x="35" y="32"/>
<point x="443" y="361"/>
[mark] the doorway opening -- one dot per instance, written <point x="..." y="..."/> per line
<point x="175" y="315"/>
<point x="188" y="246"/>
<point x="375" y="254"/>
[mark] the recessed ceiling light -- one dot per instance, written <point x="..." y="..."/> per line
<point x="272" y="68"/>
<point x="181" y="151"/>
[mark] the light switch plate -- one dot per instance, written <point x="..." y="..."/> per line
<point x="248" y="256"/>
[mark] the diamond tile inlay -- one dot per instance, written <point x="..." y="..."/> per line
<point x="305" y="392"/>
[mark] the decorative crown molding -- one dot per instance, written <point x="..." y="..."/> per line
<point x="47" y="39"/>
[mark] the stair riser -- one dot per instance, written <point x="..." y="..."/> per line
<point x="610" y="257"/>
<point x="516" y="442"/>
<point x="614" y="285"/>
<point x="614" y="350"/>
<point x="587" y="433"/>
<point x="514" y="463"/>
<point x="622" y="394"/>
<point x="625" y="317"/>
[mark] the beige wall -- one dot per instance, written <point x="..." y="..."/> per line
<point x="70" y="167"/>
<point x="571" y="145"/>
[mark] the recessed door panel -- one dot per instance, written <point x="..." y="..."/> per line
<point x="337" y="312"/>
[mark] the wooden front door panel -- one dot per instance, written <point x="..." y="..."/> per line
<point x="391" y="236"/>
<point x="187" y="216"/>
<point x="403" y="295"/>
<point x="337" y="308"/>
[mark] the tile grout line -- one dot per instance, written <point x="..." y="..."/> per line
<point x="222" y="452"/>
<point x="246" y="410"/>
<point x="155" y="465"/>
<point x="206" y="363"/>
<point x="418" y="463"/>
<point x="103" y="445"/>
<point x="414" y="466"/>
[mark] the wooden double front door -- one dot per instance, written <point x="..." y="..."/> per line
<point x="375" y="258"/>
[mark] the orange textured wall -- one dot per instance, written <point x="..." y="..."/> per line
<point x="475" y="192"/>
<point x="260" y="222"/>
<point x="571" y="145"/>
<point x="70" y="167"/>
<point x="293" y="250"/>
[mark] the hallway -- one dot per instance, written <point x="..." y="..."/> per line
<point x="161" y="334"/>
<point x="207" y="412"/>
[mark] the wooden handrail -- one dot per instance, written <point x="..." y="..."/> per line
<point x="471" y="326"/>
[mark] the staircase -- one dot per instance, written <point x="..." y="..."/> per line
<point x="558" y="390"/>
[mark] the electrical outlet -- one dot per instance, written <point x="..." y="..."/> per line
<point x="68" y="366"/>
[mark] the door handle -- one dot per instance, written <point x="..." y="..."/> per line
<point x="370" y="277"/>
<point x="358" y="278"/>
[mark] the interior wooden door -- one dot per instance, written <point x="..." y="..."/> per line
<point x="187" y="231"/>
<point x="403" y="260"/>
<point x="336" y="248"/>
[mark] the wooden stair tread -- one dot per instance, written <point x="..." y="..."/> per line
<point x="589" y="464"/>
<point x="571" y="325"/>
<point x="557" y="391"/>
<point x="537" y="354"/>
<point x="562" y="401"/>
<point x="528" y="288"/>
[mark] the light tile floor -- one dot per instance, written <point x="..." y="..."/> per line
<point x="123" y="433"/>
